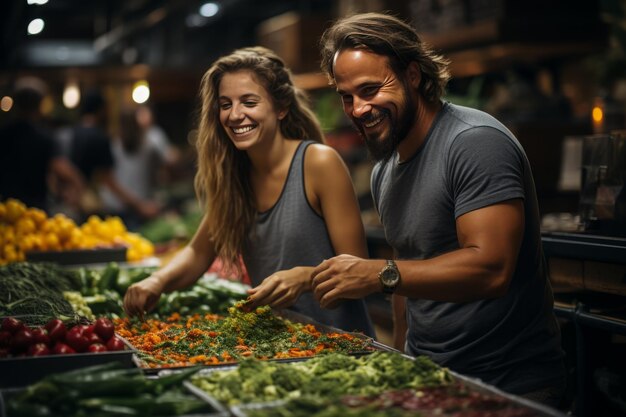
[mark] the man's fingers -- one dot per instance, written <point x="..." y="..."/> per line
<point x="326" y="284"/>
<point x="282" y="302"/>
<point x="320" y="268"/>
<point x="329" y="299"/>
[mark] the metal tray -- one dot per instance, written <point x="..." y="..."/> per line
<point x="291" y="316"/>
<point x="474" y="384"/>
<point x="21" y="371"/>
<point x="480" y="386"/>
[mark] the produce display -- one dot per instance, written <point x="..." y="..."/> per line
<point x="103" y="290"/>
<point x="53" y="319"/>
<point x="328" y="376"/>
<point x="56" y="338"/>
<point x="212" y="339"/>
<point x="25" y="229"/>
<point x="106" y="390"/>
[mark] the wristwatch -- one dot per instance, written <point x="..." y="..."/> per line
<point x="389" y="277"/>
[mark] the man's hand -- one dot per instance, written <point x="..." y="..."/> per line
<point x="347" y="277"/>
<point x="280" y="290"/>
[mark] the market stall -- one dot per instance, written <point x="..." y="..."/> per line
<point x="67" y="347"/>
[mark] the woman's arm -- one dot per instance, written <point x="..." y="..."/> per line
<point x="185" y="268"/>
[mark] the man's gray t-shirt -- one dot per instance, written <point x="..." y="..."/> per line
<point x="468" y="161"/>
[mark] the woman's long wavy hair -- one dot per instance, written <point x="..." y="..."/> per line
<point x="222" y="182"/>
<point x="389" y="36"/>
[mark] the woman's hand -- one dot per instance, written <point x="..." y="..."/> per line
<point x="143" y="296"/>
<point x="280" y="290"/>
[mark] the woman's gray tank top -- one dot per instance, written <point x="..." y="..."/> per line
<point x="292" y="234"/>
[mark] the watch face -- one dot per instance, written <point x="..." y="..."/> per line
<point x="389" y="277"/>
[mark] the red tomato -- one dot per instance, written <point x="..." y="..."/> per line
<point x="97" y="348"/>
<point x="41" y="336"/>
<point x="62" y="349"/>
<point x="56" y="330"/>
<point x="104" y="328"/>
<point x="115" y="343"/>
<point x="38" y="349"/>
<point x="5" y="339"/>
<point x="22" y="340"/>
<point x="11" y="325"/>
<point x="76" y="338"/>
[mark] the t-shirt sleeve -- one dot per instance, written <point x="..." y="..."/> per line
<point x="375" y="179"/>
<point x="485" y="167"/>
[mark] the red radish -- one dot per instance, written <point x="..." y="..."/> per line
<point x="56" y="330"/>
<point x="115" y="344"/>
<point x="11" y="325"/>
<point x="97" y="348"/>
<point x="62" y="349"/>
<point x="104" y="328"/>
<point x="38" y="349"/>
<point x="40" y="335"/>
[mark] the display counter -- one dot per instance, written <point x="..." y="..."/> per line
<point x="588" y="274"/>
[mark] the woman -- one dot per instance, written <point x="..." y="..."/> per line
<point x="271" y="191"/>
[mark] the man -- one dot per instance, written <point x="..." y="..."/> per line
<point x="29" y="156"/>
<point x="455" y="194"/>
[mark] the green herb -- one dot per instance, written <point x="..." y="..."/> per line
<point x="35" y="292"/>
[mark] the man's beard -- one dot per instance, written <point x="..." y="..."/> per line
<point x="381" y="149"/>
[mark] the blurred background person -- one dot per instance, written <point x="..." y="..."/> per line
<point x="91" y="151"/>
<point x="156" y="138"/>
<point x="30" y="159"/>
<point x="140" y="155"/>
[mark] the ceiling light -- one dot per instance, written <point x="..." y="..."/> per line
<point x="71" y="95"/>
<point x="209" y="9"/>
<point x="6" y="103"/>
<point x="35" y="26"/>
<point x="37" y="2"/>
<point x="141" y="92"/>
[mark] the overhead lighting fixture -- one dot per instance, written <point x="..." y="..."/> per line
<point x="35" y="26"/>
<point x="141" y="92"/>
<point x="36" y="2"/>
<point x="6" y="103"/>
<point x="71" y="95"/>
<point x="209" y="9"/>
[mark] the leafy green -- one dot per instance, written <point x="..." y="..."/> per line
<point x="34" y="292"/>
